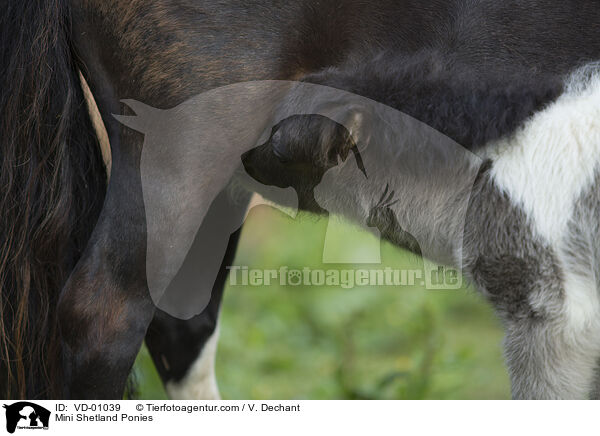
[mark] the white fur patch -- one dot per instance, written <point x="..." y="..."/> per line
<point x="200" y="383"/>
<point x="547" y="164"/>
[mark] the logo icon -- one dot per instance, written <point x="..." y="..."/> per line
<point x="26" y="415"/>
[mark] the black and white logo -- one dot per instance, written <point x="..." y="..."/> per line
<point x="26" y="415"/>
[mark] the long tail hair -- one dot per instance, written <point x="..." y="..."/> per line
<point x="52" y="184"/>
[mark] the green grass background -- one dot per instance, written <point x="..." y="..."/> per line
<point x="326" y="343"/>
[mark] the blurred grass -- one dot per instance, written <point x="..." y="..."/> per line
<point x="364" y="343"/>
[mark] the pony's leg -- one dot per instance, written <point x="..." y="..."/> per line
<point x="556" y="354"/>
<point x="184" y="350"/>
<point x="184" y="353"/>
<point x="545" y="293"/>
<point x="552" y="342"/>
<point x="552" y="359"/>
<point x="105" y="307"/>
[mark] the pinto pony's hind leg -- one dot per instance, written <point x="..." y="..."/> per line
<point x="184" y="350"/>
<point x="184" y="353"/>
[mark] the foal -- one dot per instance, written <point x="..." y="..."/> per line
<point x="531" y="224"/>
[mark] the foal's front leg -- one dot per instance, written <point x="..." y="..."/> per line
<point x="544" y="292"/>
<point x="105" y="307"/>
<point x="554" y="352"/>
<point x="550" y="359"/>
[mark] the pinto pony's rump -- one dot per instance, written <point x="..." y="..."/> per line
<point x="52" y="183"/>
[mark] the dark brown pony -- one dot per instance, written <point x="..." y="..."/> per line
<point x="78" y="337"/>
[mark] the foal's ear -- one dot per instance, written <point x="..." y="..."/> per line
<point x="144" y="119"/>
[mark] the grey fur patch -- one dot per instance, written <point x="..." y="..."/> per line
<point x="504" y="259"/>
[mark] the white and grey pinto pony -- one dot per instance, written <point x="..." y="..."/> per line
<point x="517" y="217"/>
<point x="476" y="121"/>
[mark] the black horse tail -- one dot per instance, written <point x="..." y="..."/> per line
<point x="52" y="185"/>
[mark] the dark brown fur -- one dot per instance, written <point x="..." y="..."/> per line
<point x="52" y="189"/>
